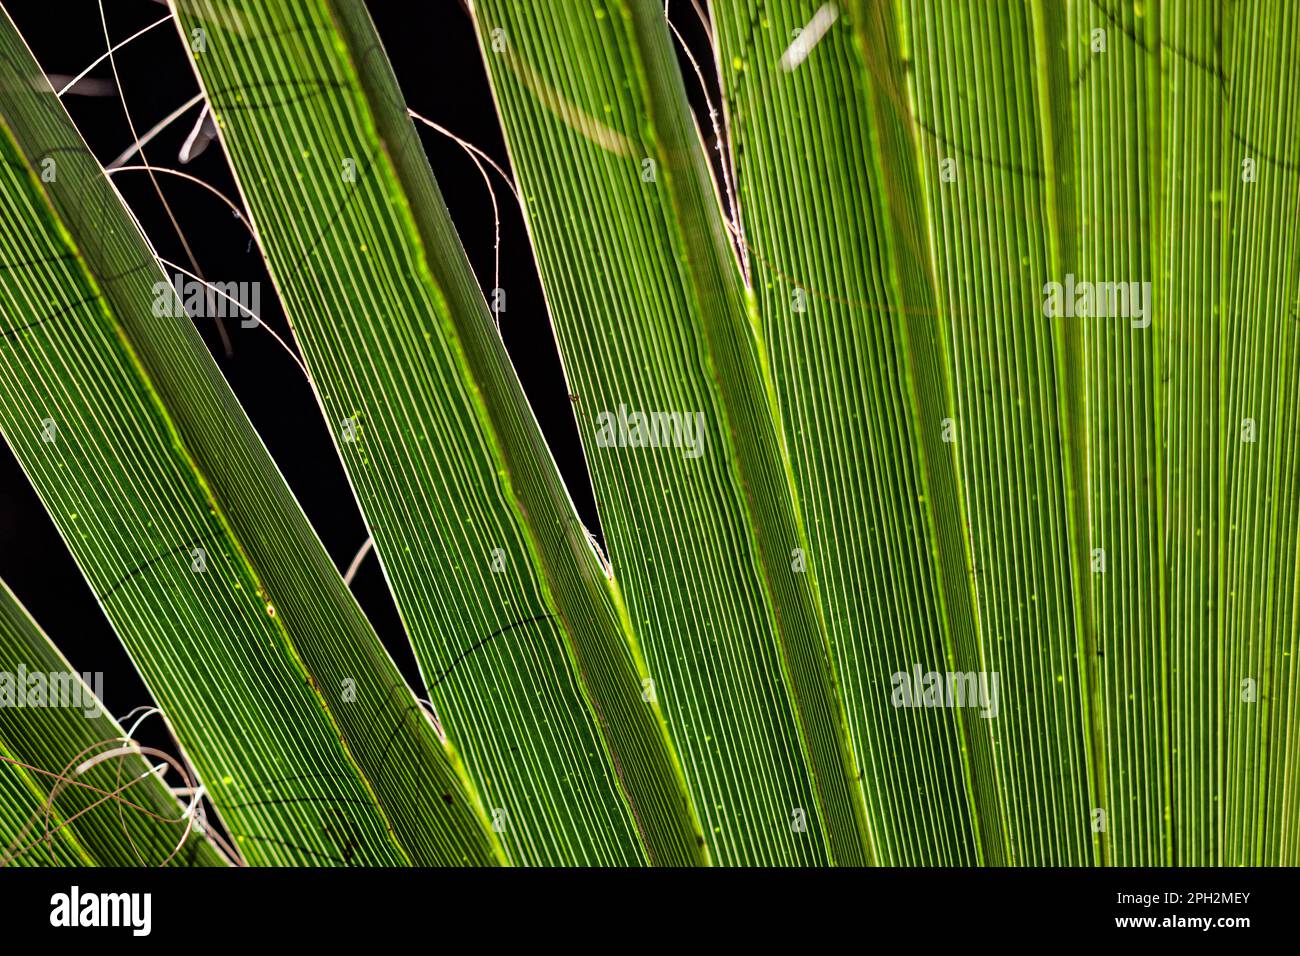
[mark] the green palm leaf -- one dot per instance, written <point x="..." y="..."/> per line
<point x="297" y="721"/>
<point x="954" y="354"/>
<point x="520" y="636"/>
<point x="709" y="548"/>
<point x="850" y="326"/>
<point x="71" y="791"/>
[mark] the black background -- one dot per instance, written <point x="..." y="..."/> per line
<point x="739" y="910"/>
<point x="440" y="69"/>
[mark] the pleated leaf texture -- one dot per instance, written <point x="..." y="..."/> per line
<point x="935" y="386"/>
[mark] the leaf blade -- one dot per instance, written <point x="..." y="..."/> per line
<point x="139" y="407"/>
<point x="526" y="654"/>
